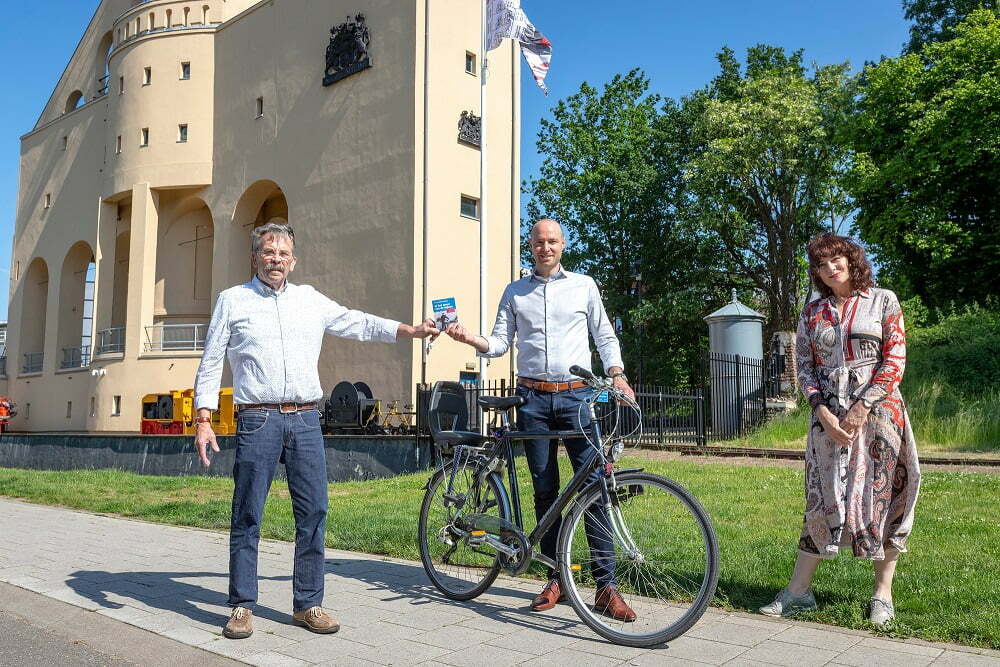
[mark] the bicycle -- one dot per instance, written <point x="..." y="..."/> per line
<point x="666" y="557"/>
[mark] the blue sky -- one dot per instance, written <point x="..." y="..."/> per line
<point x="675" y="41"/>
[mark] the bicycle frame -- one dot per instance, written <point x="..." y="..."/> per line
<point x="596" y="462"/>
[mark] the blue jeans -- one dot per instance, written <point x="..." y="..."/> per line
<point x="561" y="411"/>
<point x="263" y="439"/>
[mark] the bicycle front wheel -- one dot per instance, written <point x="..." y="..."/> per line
<point x="656" y="543"/>
<point x="458" y="569"/>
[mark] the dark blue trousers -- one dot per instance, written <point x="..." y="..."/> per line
<point x="263" y="439"/>
<point x="563" y="411"/>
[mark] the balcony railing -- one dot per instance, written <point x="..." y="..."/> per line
<point x="33" y="362"/>
<point x="176" y="337"/>
<point x="110" y="341"/>
<point x="75" y="357"/>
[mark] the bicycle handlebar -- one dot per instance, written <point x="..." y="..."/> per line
<point x="582" y="373"/>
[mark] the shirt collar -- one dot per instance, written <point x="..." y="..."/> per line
<point x="556" y="275"/>
<point x="264" y="289"/>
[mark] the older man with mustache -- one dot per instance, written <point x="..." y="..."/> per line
<point x="271" y="332"/>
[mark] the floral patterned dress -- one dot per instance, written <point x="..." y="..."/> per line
<point x="862" y="495"/>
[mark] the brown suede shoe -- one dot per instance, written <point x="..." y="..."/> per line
<point x="610" y="603"/>
<point x="316" y="620"/>
<point x="240" y="625"/>
<point x="549" y="596"/>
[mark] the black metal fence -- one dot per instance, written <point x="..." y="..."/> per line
<point x="669" y="415"/>
<point x="738" y="389"/>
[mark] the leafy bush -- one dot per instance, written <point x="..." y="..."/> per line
<point x="960" y="351"/>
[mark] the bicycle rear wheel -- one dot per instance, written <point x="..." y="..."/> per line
<point x="459" y="570"/>
<point x="665" y="558"/>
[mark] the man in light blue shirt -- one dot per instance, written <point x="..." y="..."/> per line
<point x="551" y="315"/>
<point x="271" y="332"/>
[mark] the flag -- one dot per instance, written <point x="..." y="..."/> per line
<point x="506" y="20"/>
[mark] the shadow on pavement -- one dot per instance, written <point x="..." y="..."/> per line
<point x="164" y="590"/>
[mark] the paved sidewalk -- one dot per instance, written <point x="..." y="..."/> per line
<point x="173" y="582"/>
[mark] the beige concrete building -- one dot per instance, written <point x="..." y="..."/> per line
<point x="180" y="125"/>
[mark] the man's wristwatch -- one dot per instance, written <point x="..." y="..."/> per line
<point x="202" y="420"/>
<point x="619" y="375"/>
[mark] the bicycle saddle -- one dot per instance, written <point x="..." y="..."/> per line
<point x="500" y="402"/>
<point x="454" y="438"/>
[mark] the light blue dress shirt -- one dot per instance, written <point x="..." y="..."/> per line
<point x="272" y="341"/>
<point x="550" y="320"/>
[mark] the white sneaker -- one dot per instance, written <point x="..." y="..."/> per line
<point x="787" y="603"/>
<point x="880" y="612"/>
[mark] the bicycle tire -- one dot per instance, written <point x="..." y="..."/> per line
<point x="650" y="577"/>
<point x="458" y="581"/>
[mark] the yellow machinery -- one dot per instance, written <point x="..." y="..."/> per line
<point x="172" y="413"/>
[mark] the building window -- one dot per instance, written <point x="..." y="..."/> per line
<point x="116" y="408"/>
<point x="470" y="207"/>
<point x="260" y="107"/>
<point x="182" y="133"/>
<point x="144" y="137"/>
<point x="187" y="13"/>
<point x="121" y="85"/>
<point x="118" y="147"/>
<point x="69" y="409"/>
<point x="185" y="71"/>
<point x="65" y="142"/>
<point x="147" y="76"/>
<point x="93" y="406"/>
<point x="470" y="63"/>
<point x="152" y="21"/>
<point x="17" y="270"/>
<point x="48" y="200"/>
<point x="27" y="411"/>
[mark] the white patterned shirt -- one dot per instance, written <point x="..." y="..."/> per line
<point x="551" y="320"/>
<point x="272" y="341"/>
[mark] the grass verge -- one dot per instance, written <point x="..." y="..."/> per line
<point x="944" y="423"/>
<point x="946" y="587"/>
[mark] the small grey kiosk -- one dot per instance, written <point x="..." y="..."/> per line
<point x="735" y="364"/>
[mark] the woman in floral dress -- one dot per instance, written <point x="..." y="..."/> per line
<point x="862" y="473"/>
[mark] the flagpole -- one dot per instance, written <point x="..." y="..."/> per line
<point x="483" y="187"/>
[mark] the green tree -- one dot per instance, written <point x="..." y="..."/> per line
<point x="928" y="165"/>
<point x="768" y="167"/>
<point x="611" y="174"/>
<point x="936" y="20"/>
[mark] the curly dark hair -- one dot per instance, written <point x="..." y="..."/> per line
<point x="831" y="245"/>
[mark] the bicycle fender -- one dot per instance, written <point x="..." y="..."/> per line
<point x="623" y="471"/>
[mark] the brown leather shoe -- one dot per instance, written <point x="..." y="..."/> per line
<point x="611" y="603"/>
<point x="315" y="619"/>
<point x="240" y="625"/>
<point x="550" y="595"/>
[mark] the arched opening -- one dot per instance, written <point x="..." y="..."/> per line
<point x="170" y="14"/>
<point x="74" y="101"/>
<point x="152" y="21"/>
<point x="263" y="202"/>
<point x="204" y="14"/>
<point x="187" y="15"/>
<point x="102" y="63"/>
<point x="76" y="299"/>
<point x="34" y="302"/>
<point x="183" y="287"/>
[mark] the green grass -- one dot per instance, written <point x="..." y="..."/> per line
<point x="943" y="421"/>
<point x="946" y="588"/>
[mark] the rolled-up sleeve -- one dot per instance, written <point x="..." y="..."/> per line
<point x="503" y="329"/>
<point x="602" y="330"/>
<point x="209" y="376"/>
<point x="355" y="324"/>
<point x="889" y="372"/>
<point x="804" y="362"/>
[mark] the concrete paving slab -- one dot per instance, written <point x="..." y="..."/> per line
<point x="390" y="613"/>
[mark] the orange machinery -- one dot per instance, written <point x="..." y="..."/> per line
<point x="7" y="412"/>
<point x="172" y="413"/>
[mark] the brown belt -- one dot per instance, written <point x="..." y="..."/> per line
<point x="538" y="385"/>
<point x="285" y="408"/>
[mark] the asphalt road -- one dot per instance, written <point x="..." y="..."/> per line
<point x="35" y="630"/>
